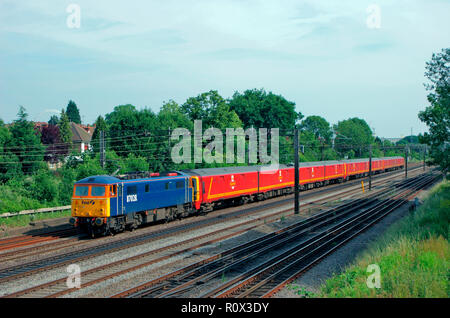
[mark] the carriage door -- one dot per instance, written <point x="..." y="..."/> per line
<point x="120" y="207"/>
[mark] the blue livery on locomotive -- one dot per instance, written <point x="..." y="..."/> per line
<point x="106" y="204"/>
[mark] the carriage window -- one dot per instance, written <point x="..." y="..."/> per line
<point x="131" y="190"/>
<point x="81" y="191"/>
<point x="147" y="188"/>
<point x="98" y="191"/>
<point x="180" y="184"/>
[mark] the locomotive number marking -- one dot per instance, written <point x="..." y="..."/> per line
<point x="132" y="198"/>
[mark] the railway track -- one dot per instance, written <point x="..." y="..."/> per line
<point x="53" y="244"/>
<point x="26" y="240"/>
<point x="181" y="283"/>
<point x="95" y="275"/>
<point x="272" y="276"/>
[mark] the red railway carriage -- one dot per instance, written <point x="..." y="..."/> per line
<point x="311" y="174"/>
<point x="274" y="179"/>
<point x="216" y="184"/>
<point x="356" y="167"/>
<point x="393" y="162"/>
<point x="334" y="170"/>
<point x="377" y="165"/>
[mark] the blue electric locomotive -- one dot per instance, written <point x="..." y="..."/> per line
<point x="106" y="204"/>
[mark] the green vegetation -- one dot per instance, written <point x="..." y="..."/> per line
<point x="73" y="114"/>
<point x="437" y="115"/>
<point x="413" y="256"/>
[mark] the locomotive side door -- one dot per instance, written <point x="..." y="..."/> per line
<point x="120" y="207"/>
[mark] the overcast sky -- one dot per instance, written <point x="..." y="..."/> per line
<point x="336" y="59"/>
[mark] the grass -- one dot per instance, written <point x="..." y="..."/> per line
<point x="413" y="256"/>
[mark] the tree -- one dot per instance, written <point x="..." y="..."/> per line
<point x="73" y="113"/>
<point x="169" y="118"/>
<point x="65" y="132"/>
<point x="264" y="110"/>
<point x="408" y="140"/>
<point x="100" y="125"/>
<point x="52" y="139"/>
<point x="54" y="120"/>
<point x="5" y="135"/>
<point x="437" y="115"/>
<point x="130" y="131"/>
<point x="353" y="134"/>
<point x="318" y="126"/>
<point x="25" y="143"/>
<point x="10" y="165"/>
<point x="212" y="109"/>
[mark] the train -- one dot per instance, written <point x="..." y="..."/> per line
<point x="106" y="205"/>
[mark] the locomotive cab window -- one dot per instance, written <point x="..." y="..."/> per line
<point x="147" y="188"/>
<point x="97" y="191"/>
<point x="81" y="191"/>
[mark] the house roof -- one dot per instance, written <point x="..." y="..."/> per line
<point x="79" y="134"/>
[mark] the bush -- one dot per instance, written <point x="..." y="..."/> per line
<point x="44" y="187"/>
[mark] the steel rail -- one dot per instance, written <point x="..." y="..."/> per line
<point x="185" y="270"/>
<point x="327" y="239"/>
<point x="303" y="246"/>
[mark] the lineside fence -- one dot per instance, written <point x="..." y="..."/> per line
<point x="36" y="211"/>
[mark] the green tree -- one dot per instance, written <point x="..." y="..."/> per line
<point x="65" y="131"/>
<point x="73" y="113"/>
<point x="169" y="118"/>
<point x="133" y="163"/>
<point x="25" y="143"/>
<point x="260" y="109"/>
<point x="44" y="186"/>
<point x="212" y="109"/>
<point x="54" y="120"/>
<point x="10" y="165"/>
<point x="318" y="126"/>
<point x="100" y="125"/>
<point x="353" y="134"/>
<point x="437" y="115"/>
<point x="133" y="131"/>
<point x="408" y="140"/>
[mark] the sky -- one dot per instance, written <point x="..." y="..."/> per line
<point x="335" y="59"/>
